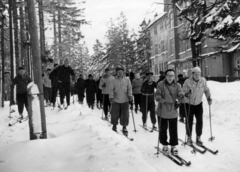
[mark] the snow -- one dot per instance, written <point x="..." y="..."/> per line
<point x="226" y="22"/>
<point x="237" y="20"/>
<point x="78" y="140"/>
<point x="232" y="49"/>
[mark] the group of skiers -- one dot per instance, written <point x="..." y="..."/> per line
<point x="116" y="94"/>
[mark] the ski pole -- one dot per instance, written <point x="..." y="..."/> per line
<point x="133" y="121"/>
<point x="159" y="133"/>
<point x="210" y="120"/>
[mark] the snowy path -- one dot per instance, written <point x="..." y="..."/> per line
<point x="78" y="140"/>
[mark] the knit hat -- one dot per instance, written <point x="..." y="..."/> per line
<point x="119" y="68"/>
<point x="196" y="70"/>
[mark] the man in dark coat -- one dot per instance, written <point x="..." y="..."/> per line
<point x="181" y="81"/>
<point x="91" y="89"/>
<point x="161" y="77"/>
<point x="148" y="103"/>
<point x="55" y="84"/>
<point x="80" y="88"/>
<point x="21" y="80"/>
<point x="63" y="75"/>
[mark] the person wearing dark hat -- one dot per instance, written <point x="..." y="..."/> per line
<point x="104" y="86"/>
<point x="161" y="77"/>
<point x="55" y="85"/>
<point x="64" y="74"/>
<point x="47" y="87"/>
<point x="120" y="95"/>
<point x="21" y="80"/>
<point x="91" y="89"/>
<point x="148" y="103"/>
<point x="168" y="95"/>
<point x="80" y="88"/>
<point x="194" y="88"/>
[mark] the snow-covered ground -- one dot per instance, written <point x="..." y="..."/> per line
<point x="78" y="140"/>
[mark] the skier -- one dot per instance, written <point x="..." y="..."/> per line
<point x="181" y="81"/>
<point x="99" y="95"/>
<point x="47" y="87"/>
<point x="104" y="86"/>
<point x="148" y="103"/>
<point x="21" y="80"/>
<point x="55" y="84"/>
<point x="91" y="89"/>
<point x="161" y="77"/>
<point x="136" y="86"/>
<point x="194" y="87"/>
<point x="80" y="88"/>
<point x="120" y="94"/>
<point x="63" y="75"/>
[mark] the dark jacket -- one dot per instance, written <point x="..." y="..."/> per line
<point x="63" y="73"/>
<point x="21" y="82"/>
<point x="161" y="78"/>
<point x="53" y="77"/>
<point x="181" y="81"/>
<point x="81" y="86"/>
<point x="148" y="88"/>
<point x="91" y="89"/>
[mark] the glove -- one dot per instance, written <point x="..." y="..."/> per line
<point x="209" y="100"/>
<point x="111" y="100"/>
<point x="130" y="98"/>
<point x="188" y="94"/>
<point x="104" y="85"/>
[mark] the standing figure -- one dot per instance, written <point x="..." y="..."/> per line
<point x="120" y="95"/>
<point x="104" y="86"/>
<point x="99" y="95"/>
<point x="63" y="74"/>
<point x="55" y="84"/>
<point x="161" y="77"/>
<point x="181" y="81"/>
<point x="168" y="93"/>
<point x="21" y="80"/>
<point x="47" y="87"/>
<point x="136" y="87"/>
<point x="148" y="103"/>
<point x="91" y="89"/>
<point x="194" y="88"/>
<point x="80" y="89"/>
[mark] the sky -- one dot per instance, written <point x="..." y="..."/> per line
<point x="99" y="12"/>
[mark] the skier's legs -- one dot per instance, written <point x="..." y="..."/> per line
<point x="173" y="132"/>
<point x="198" y="111"/>
<point x="124" y="114"/>
<point x="105" y="103"/>
<point x="67" y="92"/>
<point x="115" y="113"/>
<point x="143" y="109"/>
<point x="163" y="131"/>
<point x="139" y="100"/>
<point x="20" y="103"/>
<point x="62" y="93"/>
<point x="190" y="119"/>
<point x="26" y="101"/>
<point x="152" y="112"/>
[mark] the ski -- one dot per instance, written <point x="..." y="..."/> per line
<point x="180" y="163"/>
<point x="195" y="149"/>
<point x="208" y="149"/>
<point x="187" y="163"/>
<point x="145" y="128"/>
<point x="129" y="138"/>
<point x="18" y="121"/>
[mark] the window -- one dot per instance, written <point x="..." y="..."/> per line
<point x="171" y="46"/>
<point x="156" y="48"/>
<point x="162" y="46"/>
<point x="155" y="30"/>
<point x="156" y="69"/>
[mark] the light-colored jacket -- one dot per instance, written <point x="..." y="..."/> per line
<point x="107" y="81"/>
<point x="46" y="81"/>
<point x="197" y="90"/>
<point x="136" y="86"/>
<point x="166" y="108"/>
<point x="120" y="89"/>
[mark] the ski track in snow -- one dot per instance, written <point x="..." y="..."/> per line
<point x="78" y="140"/>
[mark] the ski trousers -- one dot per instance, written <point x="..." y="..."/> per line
<point x="22" y="99"/>
<point x="148" y="104"/>
<point x="65" y="91"/>
<point x="106" y="104"/>
<point x="120" y="111"/>
<point x="137" y="101"/>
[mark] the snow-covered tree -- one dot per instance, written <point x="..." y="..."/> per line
<point x="216" y="19"/>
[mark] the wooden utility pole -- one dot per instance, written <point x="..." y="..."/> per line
<point x="41" y="26"/>
<point x="54" y="30"/>
<point x="3" y="58"/>
<point x="37" y="70"/>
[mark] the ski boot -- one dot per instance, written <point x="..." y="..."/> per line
<point x="189" y="141"/>
<point x="165" y="150"/>
<point x="125" y="132"/>
<point x="154" y="127"/>
<point x="145" y="125"/>
<point x="114" y="128"/>
<point x="174" y="150"/>
<point x="198" y="141"/>
<point x="135" y="111"/>
<point x="182" y="119"/>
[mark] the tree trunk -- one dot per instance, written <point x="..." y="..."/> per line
<point x="59" y="32"/>
<point x="3" y="60"/>
<point x="23" y="37"/>
<point x="41" y="26"/>
<point x="16" y="40"/>
<point x="33" y="28"/>
<point x="12" y="102"/>
<point x="54" y="31"/>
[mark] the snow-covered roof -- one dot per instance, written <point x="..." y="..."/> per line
<point x="232" y="49"/>
<point x="156" y="19"/>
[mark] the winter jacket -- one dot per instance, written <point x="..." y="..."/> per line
<point x="104" y="84"/>
<point x="136" y="86"/>
<point x="46" y="81"/>
<point x="63" y="73"/>
<point x="181" y="81"/>
<point x="197" y="90"/>
<point x="53" y="77"/>
<point x="120" y="89"/>
<point x="21" y="82"/>
<point x="166" y="108"/>
<point x="148" y="88"/>
<point x="91" y="89"/>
